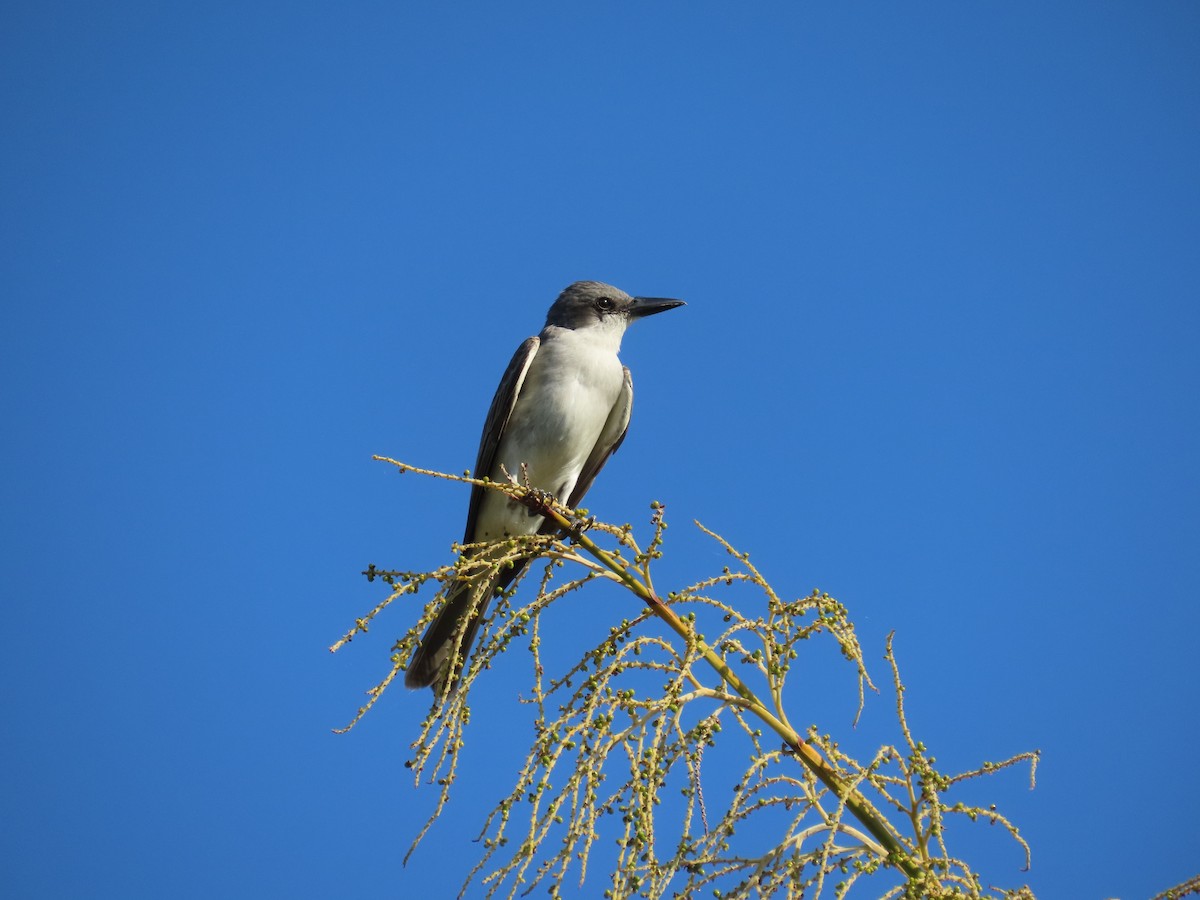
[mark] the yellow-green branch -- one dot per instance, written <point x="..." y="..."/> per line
<point x="858" y="805"/>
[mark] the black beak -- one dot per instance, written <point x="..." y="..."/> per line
<point x="648" y="306"/>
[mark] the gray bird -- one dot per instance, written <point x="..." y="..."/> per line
<point x="561" y="410"/>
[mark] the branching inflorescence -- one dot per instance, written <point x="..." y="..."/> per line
<point x="635" y="717"/>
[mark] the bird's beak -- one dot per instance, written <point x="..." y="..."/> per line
<point x="648" y="306"/>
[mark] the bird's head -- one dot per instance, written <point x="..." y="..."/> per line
<point x="587" y="304"/>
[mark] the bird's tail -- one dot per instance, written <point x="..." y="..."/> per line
<point x="456" y="625"/>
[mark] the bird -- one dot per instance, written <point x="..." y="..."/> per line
<point x="561" y="410"/>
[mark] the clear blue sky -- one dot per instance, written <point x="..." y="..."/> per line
<point x="939" y="359"/>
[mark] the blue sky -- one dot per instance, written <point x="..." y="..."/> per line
<point x="939" y="359"/>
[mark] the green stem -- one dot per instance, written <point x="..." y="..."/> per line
<point x="858" y="805"/>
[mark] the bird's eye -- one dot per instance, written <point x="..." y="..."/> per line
<point x="605" y="303"/>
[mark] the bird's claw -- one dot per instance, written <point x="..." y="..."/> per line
<point x="539" y="502"/>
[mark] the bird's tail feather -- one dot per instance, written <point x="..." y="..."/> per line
<point x="456" y="625"/>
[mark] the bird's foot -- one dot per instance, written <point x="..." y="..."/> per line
<point x="539" y="502"/>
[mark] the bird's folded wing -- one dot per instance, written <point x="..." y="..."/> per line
<point x="493" y="428"/>
<point x="611" y="437"/>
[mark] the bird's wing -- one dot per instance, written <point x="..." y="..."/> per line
<point x="610" y="439"/>
<point x="497" y="420"/>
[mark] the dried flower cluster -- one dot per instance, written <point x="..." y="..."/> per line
<point x="636" y="717"/>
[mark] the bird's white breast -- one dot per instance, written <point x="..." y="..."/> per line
<point x="569" y="391"/>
